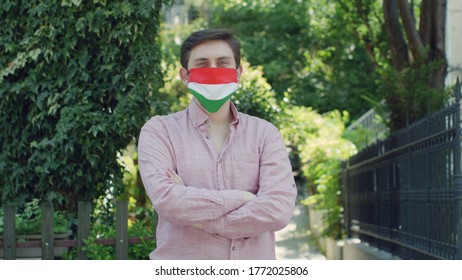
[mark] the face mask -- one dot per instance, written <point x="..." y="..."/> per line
<point x="212" y="86"/>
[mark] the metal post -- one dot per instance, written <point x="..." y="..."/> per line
<point x="409" y="226"/>
<point x="458" y="172"/>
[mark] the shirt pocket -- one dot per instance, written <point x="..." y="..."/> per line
<point x="197" y="172"/>
<point x="242" y="171"/>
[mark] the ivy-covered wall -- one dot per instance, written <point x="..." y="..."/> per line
<point x="77" y="81"/>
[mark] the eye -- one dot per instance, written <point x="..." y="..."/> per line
<point x="224" y="63"/>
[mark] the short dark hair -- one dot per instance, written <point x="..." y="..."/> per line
<point x="199" y="37"/>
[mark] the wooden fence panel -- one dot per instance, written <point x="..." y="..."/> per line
<point x="84" y="226"/>
<point x="47" y="231"/>
<point x="122" y="229"/>
<point x="9" y="239"/>
<point x="48" y="242"/>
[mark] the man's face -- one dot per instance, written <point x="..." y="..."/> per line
<point x="210" y="54"/>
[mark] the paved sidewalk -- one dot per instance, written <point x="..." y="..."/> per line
<point x="293" y="243"/>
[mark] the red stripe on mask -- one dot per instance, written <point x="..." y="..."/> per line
<point x="210" y="76"/>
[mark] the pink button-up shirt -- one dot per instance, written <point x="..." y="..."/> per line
<point x="253" y="159"/>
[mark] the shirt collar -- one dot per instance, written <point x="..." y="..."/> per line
<point x="235" y="114"/>
<point x="198" y="116"/>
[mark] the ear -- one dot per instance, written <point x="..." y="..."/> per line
<point x="239" y="72"/>
<point x="184" y="74"/>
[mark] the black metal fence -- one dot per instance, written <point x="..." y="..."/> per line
<point x="404" y="194"/>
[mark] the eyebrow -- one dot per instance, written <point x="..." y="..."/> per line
<point x="205" y="59"/>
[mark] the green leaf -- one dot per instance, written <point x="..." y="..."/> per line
<point x="80" y="24"/>
<point x="35" y="53"/>
<point x="66" y="3"/>
<point x="76" y="2"/>
<point x="33" y="144"/>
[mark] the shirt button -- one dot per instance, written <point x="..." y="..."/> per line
<point x="234" y="248"/>
<point x="208" y="136"/>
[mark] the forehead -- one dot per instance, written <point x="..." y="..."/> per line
<point x="211" y="50"/>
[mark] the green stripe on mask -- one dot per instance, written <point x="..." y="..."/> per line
<point x="211" y="106"/>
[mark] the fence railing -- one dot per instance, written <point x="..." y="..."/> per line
<point x="48" y="243"/>
<point x="371" y="125"/>
<point x="404" y="194"/>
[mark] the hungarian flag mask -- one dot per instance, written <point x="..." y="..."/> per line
<point x="212" y="86"/>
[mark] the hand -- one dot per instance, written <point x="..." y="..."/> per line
<point x="175" y="177"/>
<point x="197" y="226"/>
<point x="248" y="196"/>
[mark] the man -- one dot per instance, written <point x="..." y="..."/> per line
<point x="220" y="180"/>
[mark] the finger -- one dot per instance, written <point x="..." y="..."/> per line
<point x="172" y="174"/>
<point x="175" y="177"/>
<point x="198" y="226"/>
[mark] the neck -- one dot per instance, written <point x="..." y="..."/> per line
<point x="223" y="116"/>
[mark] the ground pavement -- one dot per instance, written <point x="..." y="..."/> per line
<point x="293" y="242"/>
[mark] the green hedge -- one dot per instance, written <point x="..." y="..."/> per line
<point x="77" y="81"/>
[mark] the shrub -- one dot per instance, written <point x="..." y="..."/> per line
<point x="78" y="80"/>
<point x="321" y="147"/>
<point x="96" y="251"/>
<point x="29" y="221"/>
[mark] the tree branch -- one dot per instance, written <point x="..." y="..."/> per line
<point x="425" y="21"/>
<point x="396" y="40"/>
<point x="415" y="42"/>
<point x="368" y="46"/>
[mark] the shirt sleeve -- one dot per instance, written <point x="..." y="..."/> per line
<point x="275" y="202"/>
<point x="182" y="205"/>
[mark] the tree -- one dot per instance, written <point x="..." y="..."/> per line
<point x="306" y="50"/>
<point x="77" y="81"/>
<point x="412" y="64"/>
<point x="274" y="34"/>
<point x="422" y="46"/>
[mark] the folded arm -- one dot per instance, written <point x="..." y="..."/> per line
<point x="172" y="200"/>
<point x="273" y="207"/>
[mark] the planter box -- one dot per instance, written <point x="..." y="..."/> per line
<point x="334" y="249"/>
<point x="316" y="226"/>
<point x="315" y="220"/>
